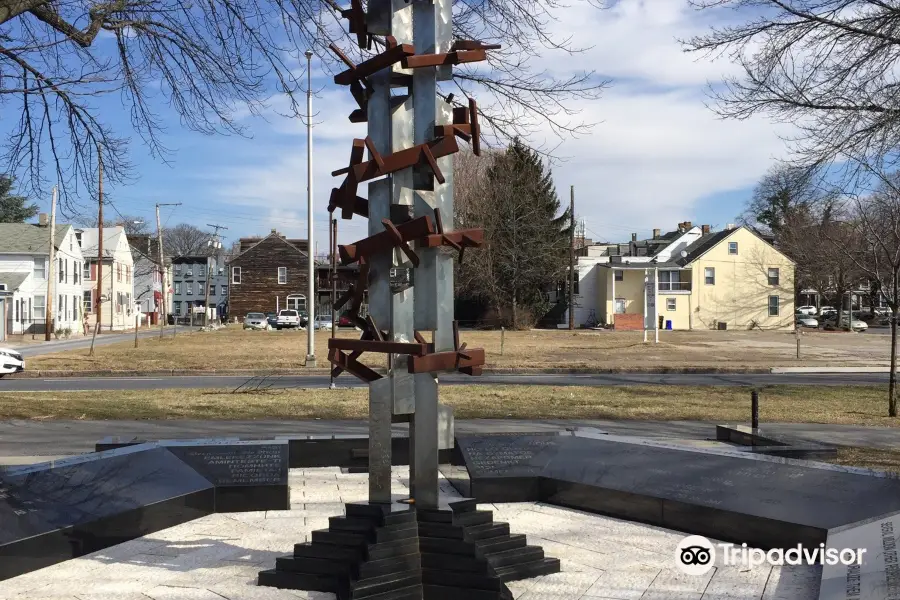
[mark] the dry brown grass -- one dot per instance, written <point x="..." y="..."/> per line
<point x="235" y="349"/>
<point x="869" y="458"/>
<point x="856" y="405"/>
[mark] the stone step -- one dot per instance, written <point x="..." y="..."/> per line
<point x="475" y="517"/>
<point x="440" y="530"/>
<point x="454" y="562"/>
<point x="339" y="538"/>
<point x="328" y="551"/>
<point x="434" y="516"/>
<point x="441" y="592"/>
<point x="466" y="505"/>
<point x="391" y="549"/>
<point x="462" y="579"/>
<point x="392" y="582"/>
<point x="313" y="566"/>
<point x="487" y="530"/>
<point x="515" y="556"/>
<point x="408" y="563"/>
<point x="413" y="592"/>
<point x="501" y="543"/>
<point x="446" y="546"/>
<point x="353" y="524"/>
<point x="298" y="581"/>
<point x="545" y="566"/>
<point x="396" y="532"/>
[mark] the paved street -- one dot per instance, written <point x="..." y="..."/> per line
<point x="73" y="384"/>
<point x="83" y="343"/>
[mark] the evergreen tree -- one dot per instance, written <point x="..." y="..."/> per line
<point x="13" y="208"/>
<point x="528" y="237"/>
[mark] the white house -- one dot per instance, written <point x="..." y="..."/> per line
<point x="117" y="278"/>
<point x="24" y="266"/>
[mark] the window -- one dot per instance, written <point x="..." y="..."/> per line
<point x="62" y="272"/>
<point x="201" y="271"/>
<point x="189" y="289"/>
<point x="224" y="290"/>
<point x="732" y="247"/>
<point x="177" y="287"/>
<point x="70" y="245"/>
<point x="773" y="306"/>
<point x="178" y="268"/>
<point x="670" y="303"/>
<point x="86" y="270"/>
<point x="118" y="271"/>
<point x="39" y="309"/>
<point x="177" y="306"/>
<point x="773" y="276"/>
<point x="620" y="306"/>
<point x="75" y="308"/>
<point x="76" y="271"/>
<point x="40" y="268"/>
<point x="282" y="275"/>
<point x="709" y="275"/>
<point x="221" y="270"/>
<point x="618" y="275"/>
<point x="235" y="275"/>
<point x="296" y="303"/>
<point x="88" y="301"/>
<point x="127" y="274"/>
<point x="78" y="237"/>
<point x="201" y="286"/>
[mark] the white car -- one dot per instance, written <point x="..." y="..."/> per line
<point x="323" y="321"/>
<point x="855" y="325"/>
<point x="806" y="321"/>
<point x="10" y="362"/>
<point x="287" y="318"/>
<point x="806" y="310"/>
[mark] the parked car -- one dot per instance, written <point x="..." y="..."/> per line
<point x="256" y="320"/>
<point x="323" y="321"/>
<point x="304" y="318"/>
<point x="806" y="321"/>
<point x="806" y="310"/>
<point x="272" y="318"/>
<point x="10" y="361"/>
<point x="287" y="318"/>
<point x="827" y="310"/>
<point x="855" y="324"/>
<point x="345" y="321"/>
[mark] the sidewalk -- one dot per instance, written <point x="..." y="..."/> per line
<point x="37" y="348"/>
<point x="52" y="439"/>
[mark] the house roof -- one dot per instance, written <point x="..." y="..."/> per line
<point x="28" y="238"/>
<point x="703" y="245"/>
<point x="12" y="280"/>
<point x="90" y="241"/>
<point x="275" y="235"/>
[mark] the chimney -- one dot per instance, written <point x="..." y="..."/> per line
<point x="687" y="225"/>
<point x="729" y="227"/>
<point x="656" y="234"/>
<point x="274" y="230"/>
<point x="43" y="220"/>
<point x="705" y="229"/>
<point x="633" y="237"/>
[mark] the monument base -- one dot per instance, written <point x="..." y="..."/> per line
<point x="400" y="552"/>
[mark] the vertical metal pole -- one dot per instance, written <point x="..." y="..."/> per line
<point x="656" y="302"/>
<point x="98" y="303"/>
<point x="162" y="275"/>
<point x="754" y="409"/>
<point x="332" y="249"/>
<point x="572" y="272"/>
<point x="48" y="317"/>
<point x="310" y="245"/>
<point x="646" y="301"/>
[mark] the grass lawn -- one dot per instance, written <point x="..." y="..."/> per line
<point x="856" y="405"/>
<point x="869" y="458"/>
<point x="234" y="349"/>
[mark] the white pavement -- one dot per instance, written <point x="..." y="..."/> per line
<point x="218" y="557"/>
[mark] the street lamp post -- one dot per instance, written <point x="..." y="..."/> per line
<point x="311" y="264"/>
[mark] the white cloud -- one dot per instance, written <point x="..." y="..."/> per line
<point x="655" y="151"/>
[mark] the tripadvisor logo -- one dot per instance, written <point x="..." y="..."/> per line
<point x="696" y="555"/>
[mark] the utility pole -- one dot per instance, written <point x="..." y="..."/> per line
<point x="48" y="318"/>
<point x="572" y="273"/>
<point x="209" y="273"/>
<point x="162" y="267"/>
<point x="311" y="264"/>
<point x="98" y="304"/>
<point x="332" y="249"/>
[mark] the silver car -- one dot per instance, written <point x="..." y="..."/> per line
<point x="256" y="321"/>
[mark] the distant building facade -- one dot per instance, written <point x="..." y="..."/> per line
<point x="115" y="269"/>
<point x="268" y="274"/>
<point x="190" y="275"/>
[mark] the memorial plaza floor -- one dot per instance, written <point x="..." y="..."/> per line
<point x="218" y="557"/>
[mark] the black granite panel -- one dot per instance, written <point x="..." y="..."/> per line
<point x="62" y="509"/>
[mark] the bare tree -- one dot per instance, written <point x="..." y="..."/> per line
<point x="211" y="61"/>
<point x="826" y="66"/>
<point x="186" y="240"/>
<point x="133" y="225"/>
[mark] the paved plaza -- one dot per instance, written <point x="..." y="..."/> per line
<point x="218" y="557"/>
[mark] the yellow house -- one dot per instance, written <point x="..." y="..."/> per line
<point x="731" y="279"/>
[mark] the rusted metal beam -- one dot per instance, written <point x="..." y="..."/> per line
<point x="456" y="57"/>
<point x="475" y="128"/>
<point x="392" y="55"/>
<point x="349" y="204"/>
<point x="378" y="346"/>
<point x="446" y="361"/>
<point x="473" y="45"/>
<point x="404" y="159"/>
<point x="352" y="366"/>
<point x="466" y="238"/>
<point x="356" y="17"/>
<point x="385" y="241"/>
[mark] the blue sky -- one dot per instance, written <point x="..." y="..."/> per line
<point x="657" y="155"/>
